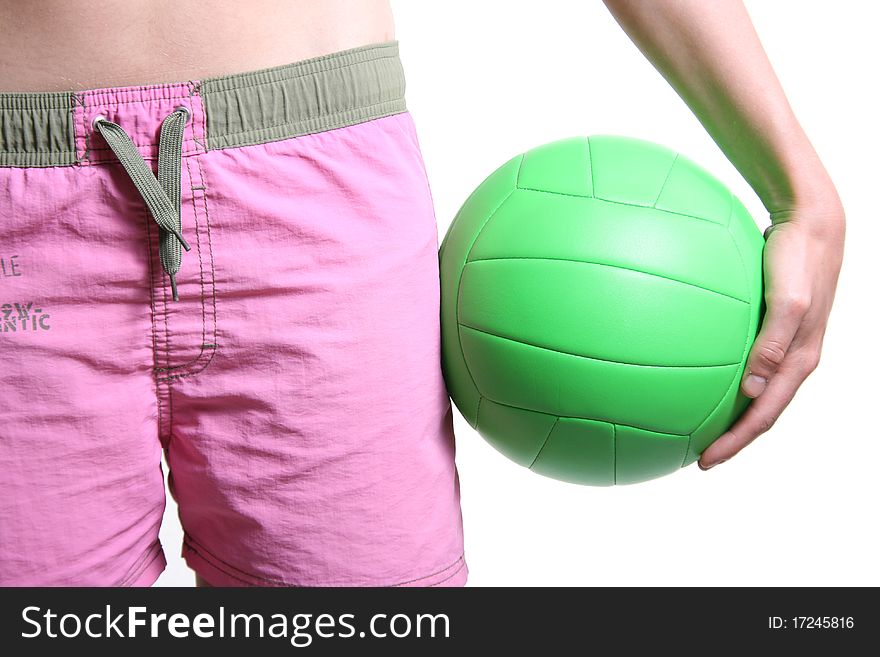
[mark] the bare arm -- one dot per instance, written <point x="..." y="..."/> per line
<point x="711" y="55"/>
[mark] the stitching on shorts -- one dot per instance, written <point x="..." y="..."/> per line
<point x="165" y="314"/>
<point x="131" y="90"/>
<point x="90" y="148"/>
<point x="146" y="566"/>
<point x="21" y="110"/>
<point x="128" y="581"/>
<point x="301" y="74"/>
<point x="167" y="347"/>
<point x="327" y="126"/>
<point x="251" y="140"/>
<point x="144" y="101"/>
<point x="87" y="135"/>
<point x="449" y="577"/>
<point x="78" y="159"/>
<point x="141" y="564"/>
<point x="167" y="343"/>
<point x="210" y="253"/>
<point x="170" y="413"/>
<point x="210" y="559"/>
<point x="201" y="284"/>
<point x="195" y="88"/>
<point x="204" y="120"/>
<point x="35" y="151"/>
<point x="149" y="144"/>
<point x="80" y="99"/>
<point x="153" y="329"/>
<point x="434" y="574"/>
<point x="213" y="349"/>
<point x="223" y="566"/>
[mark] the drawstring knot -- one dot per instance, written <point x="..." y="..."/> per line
<point x="162" y="194"/>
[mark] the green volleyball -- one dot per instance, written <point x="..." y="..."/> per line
<point x="599" y="297"/>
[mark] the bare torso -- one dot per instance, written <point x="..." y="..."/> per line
<point x="60" y="45"/>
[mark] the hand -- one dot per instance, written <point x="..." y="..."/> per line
<point x="802" y="258"/>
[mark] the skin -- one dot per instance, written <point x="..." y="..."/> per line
<point x="72" y="45"/>
<point x="716" y="63"/>
<point x="708" y="52"/>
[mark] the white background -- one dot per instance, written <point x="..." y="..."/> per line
<point x="489" y="79"/>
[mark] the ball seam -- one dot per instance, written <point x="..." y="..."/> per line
<point x="461" y="275"/>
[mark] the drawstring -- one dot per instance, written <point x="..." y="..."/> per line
<point x="161" y="195"/>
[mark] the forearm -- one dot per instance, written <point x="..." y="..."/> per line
<point x="711" y="55"/>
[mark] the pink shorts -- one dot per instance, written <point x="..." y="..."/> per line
<point x="295" y="384"/>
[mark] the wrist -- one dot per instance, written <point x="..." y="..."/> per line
<point x="799" y="183"/>
<point x="812" y="199"/>
<point x="821" y="215"/>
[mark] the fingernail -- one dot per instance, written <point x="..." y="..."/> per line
<point x="711" y="465"/>
<point x="754" y="385"/>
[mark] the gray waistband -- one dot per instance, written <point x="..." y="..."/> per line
<point x="332" y="91"/>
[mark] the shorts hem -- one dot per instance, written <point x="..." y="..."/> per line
<point x="220" y="574"/>
<point x="154" y="566"/>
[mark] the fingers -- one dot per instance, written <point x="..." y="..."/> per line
<point x="765" y="410"/>
<point x="781" y="323"/>
<point x="800" y="272"/>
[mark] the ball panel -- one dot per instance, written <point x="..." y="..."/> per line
<point x="517" y="433"/>
<point x="477" y="209"/>
<point x="457" y="242"/>
<point x="537" y="224"/>
<point x="629" y="170"/>
<point x="578" y="451"/>
<point x="562" y="167"/>
<point x="693" y="191"/>
<point x="602" y="312"/>
<point x="664" y="399"/>
<point x="644" y="455"/>
<point x="750" y="246"/>
<point x="538" y="392"/>
<point x="750" y="243"/>
<point x="728" y="410"/>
